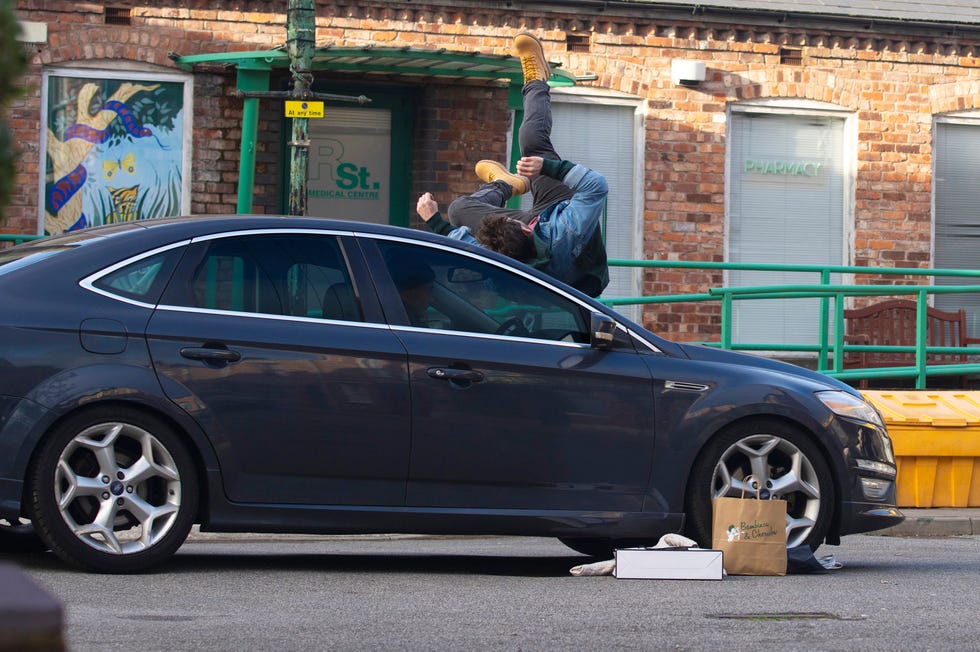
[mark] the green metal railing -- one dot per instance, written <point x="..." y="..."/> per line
<point x="18" y="238"/>
<point x="827" y="293"/>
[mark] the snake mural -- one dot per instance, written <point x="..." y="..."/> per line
<point x="83" y="144"/>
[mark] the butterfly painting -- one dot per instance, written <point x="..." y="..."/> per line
<point x="112" y="168"/>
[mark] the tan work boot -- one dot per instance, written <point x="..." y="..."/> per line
<point x="533" y="63"/>
<point x="492" y="171"/>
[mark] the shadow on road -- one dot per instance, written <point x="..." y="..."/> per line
<point x="379" y="563"/>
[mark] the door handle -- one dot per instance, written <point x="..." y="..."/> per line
<point x="210" y="354"/>
<point x="458" y="375"/>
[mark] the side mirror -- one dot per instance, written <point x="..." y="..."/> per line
<point x="601" y="331"/>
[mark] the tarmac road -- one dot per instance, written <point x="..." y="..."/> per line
<point x="229" y="592"/>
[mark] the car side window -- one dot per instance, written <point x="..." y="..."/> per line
<point x="300" y="275"/>
<point x="449" y="291"/>
<point x="141" y="280"/>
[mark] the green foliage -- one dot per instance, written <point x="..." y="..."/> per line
<point x="158" y="107"/>
<point x="13" y="63"/>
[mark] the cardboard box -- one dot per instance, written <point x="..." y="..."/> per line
<point x="668" y="564"/>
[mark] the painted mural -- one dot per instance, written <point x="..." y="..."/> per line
<point x="113" y="151"/>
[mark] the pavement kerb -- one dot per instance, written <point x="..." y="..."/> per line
<point x="930" y="522"/>
<point x="936" y="522"/>
<point x="197" y="536"/>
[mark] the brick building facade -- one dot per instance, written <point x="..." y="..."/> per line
<point x="883" y="83"/>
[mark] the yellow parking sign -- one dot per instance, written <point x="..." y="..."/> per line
<point x="304" y="109"/>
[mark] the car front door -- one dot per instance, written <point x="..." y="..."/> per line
<point x="511" y="407"/>
<point x="267" y="341"/>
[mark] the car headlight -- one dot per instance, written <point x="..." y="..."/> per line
<point x="851" y="407"/>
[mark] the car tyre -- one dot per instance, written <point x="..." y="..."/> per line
<point x="114" y="490"/>
<point x="785" y="461"/>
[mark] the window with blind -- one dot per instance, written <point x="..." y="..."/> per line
<point x="350" y="163"/>
<point x="957" y="197"/>
<point x="603" y="136"/>
<point x="786" y="205"/>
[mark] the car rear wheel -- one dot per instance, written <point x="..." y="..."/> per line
<point x="787" y="465"/>
<point x="114" y="491"/>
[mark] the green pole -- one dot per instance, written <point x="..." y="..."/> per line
<point x="838" y="335"/>
<point x="726" y="320"/>
<point x="921" y="324"/>
<point x="301" y="42"/>
<point x="824" y="320"/>
<point x="249" y="80"/>
<point x="515" y="100"/>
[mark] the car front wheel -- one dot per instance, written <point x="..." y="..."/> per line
<point x="114" y="491"/>
<point x="784" y="461"/>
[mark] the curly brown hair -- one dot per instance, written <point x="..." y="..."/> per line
<point x="505" y="236"/>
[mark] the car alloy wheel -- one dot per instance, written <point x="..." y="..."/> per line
<point x="114" y="491"/>
<point x="784" y="461"/>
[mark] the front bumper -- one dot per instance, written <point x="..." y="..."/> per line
<point x="869" y="489"/>
<point x="868" y="517"/>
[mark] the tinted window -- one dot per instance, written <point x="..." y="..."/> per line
<point x="296" y="275"/>
<point x="444" y="290"/>
<point x="142" y="280"/>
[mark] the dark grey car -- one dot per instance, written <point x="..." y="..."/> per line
<point x="270" y="374"/>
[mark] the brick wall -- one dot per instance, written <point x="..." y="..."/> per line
<point x="456" y="126"/>
<point x="895" y="83"/>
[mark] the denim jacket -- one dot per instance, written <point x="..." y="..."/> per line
<point x="567" y="238"/>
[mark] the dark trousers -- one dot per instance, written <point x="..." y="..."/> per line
<point x="534" y="138"/>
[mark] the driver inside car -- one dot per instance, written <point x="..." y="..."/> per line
<point x="415" y="282"/>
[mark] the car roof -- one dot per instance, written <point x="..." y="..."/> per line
<point x="195" y="225"/>
<point x="159" y="232"/>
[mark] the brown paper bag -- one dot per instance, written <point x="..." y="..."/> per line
<point x="751" y="533"/>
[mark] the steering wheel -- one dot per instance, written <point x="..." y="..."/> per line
<point x="513" y="327"/>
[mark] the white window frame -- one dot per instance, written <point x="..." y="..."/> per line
<point x="966" y="118"/>
<point x="800" y="108"/>
<point x="129" y="71"/>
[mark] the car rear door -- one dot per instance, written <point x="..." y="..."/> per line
<point x="511" y="407"/>
<point x="276" y="345"/>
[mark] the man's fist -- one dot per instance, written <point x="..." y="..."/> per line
<point x="426" y="206"/>
<point x="529" y="166"/>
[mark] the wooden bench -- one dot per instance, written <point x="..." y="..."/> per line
<point x="892" y="323"/>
